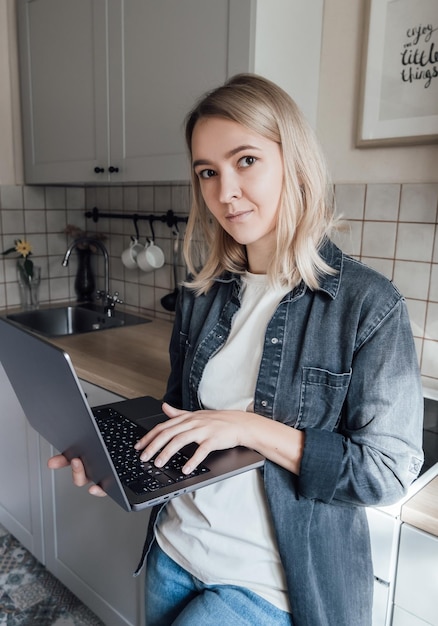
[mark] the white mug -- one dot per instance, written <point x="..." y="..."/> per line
<point x="129" y="256"/>
<point x="150" y="258"/>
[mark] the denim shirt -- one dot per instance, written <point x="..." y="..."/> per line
<point x="338" y="363"/>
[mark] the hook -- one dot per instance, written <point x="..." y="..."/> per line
<point x="151" y="224"/>
<point x="135" y="220"/>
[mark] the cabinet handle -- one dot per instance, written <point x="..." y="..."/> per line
<point x="112" y="169"/>
<point x="99" y="170"/>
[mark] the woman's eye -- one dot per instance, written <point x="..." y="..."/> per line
<point x="206" y="174"/>
<point x="247" y="161"/>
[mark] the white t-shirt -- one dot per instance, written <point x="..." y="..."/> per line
<point x="223" y="533"/>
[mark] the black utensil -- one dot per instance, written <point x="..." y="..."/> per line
<point x="168" y="301"/>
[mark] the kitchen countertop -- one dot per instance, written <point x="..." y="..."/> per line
<point x="131" y="361"/>
<point x="421" y="510"/>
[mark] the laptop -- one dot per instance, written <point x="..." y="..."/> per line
<point x="49" y="391"/>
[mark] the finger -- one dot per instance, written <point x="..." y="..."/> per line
<point x="198" y="457"/>
<point x="179" y="442"/>
<point x="95" y="490"/>
<point x="78" y="472"/>
<point x="171" y="411"/>
<point x="163" y="430"/>
<point x="57" y="462"/>
<point x="166" y="441"/>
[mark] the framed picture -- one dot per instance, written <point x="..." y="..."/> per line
<point x="399" y="95"/>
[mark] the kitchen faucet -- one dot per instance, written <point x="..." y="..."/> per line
<point x="109" y="300"/>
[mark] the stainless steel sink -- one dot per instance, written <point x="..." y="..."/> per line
<point x="73" y="320"/>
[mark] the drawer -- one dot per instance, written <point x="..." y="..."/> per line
<point x="384" y="533"/>
<point x="416" y="588"/>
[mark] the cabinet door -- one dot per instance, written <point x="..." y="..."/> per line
<point x="20" y="489"/>
<point x="63" y="67"/>
<point x="106" y="84"/>
<point x="93" y="547"/>
<point x="403" y="618"/>
<point x="416" y="587"/>
<point x="163" y="56"/>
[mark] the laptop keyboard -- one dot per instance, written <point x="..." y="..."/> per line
<point x="120" y="434"/>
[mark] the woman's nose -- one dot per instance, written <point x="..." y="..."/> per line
<point x="229" y="188"/>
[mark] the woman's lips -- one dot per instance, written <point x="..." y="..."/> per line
<point x="238" y="217"/>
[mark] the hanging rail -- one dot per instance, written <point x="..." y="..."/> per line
<point x="169" y="218"/>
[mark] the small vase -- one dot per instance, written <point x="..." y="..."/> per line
<point x="84" y="281"/>
<point x="29" y="285"/>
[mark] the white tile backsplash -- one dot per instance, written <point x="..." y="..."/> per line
<point x="350" y="201"/>
<point x="382" y="202"/>
<point x="419" y="203"/>
<point x="432" y="321"/>
<point x="11" y="197"/>
<point x="384" y="266"/>
<point x="433" y="293"/>
<point x="12" y="226"/>
<point x="415" y="242"/>
<point x="417" y="314"/>
<point x="75" y="198"/>
<point x="55" y="198"/>
<point x="35" y="221"/>
<point x="391" y="227"/>
<point x="349" y="238"/>
<point x="412" y="278"/>
<point x="429" y="362"/>
<point x="379" y="239"/>
<point x="34" y="197"/>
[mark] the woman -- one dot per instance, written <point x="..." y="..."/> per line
<point x="282" y="344"/>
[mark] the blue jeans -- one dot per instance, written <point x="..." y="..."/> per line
<point x="176" y="598"/>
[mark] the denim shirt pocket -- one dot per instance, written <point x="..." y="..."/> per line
<point x="322" y="397"/>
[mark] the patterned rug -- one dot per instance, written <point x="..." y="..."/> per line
<point x="31" y="596"/>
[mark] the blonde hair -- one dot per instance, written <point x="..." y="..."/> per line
<point x="305" y="216"/>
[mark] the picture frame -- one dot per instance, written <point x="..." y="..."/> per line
<point x="399" y="89"/>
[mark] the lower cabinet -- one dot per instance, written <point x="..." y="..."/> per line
<point x="416" y="589"/>
<point x="384" y="535"/>
<point x="90" y="544"/>
<point x="20" y="482"/>
<point x="93" y="547"/>
<point x="403" y="618"/>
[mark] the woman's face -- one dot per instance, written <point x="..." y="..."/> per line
<point x="241" y="178"/>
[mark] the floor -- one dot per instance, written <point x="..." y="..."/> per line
<point x="31" y="596"/>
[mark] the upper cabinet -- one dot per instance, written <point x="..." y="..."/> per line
<point x="106" y="84"/>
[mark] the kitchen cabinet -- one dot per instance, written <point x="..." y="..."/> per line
<point x="20" y="485"/>
<point x="417" y="579"/>
<point x="92" y="545"/>
<point x="105" y="84"/>
<point x="403" y="618"/>
<point x="384" y="535"/>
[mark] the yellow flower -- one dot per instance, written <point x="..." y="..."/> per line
<point x="23" y="247"/>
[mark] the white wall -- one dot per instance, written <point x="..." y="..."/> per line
<point x="339" y="103"/>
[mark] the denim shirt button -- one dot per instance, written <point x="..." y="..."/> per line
<point x="264" y="403"/>
<point x="274" y="340"/>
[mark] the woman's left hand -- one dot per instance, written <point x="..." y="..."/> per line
<point x="211" y="430"/>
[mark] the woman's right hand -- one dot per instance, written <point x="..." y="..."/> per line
<point x="78" y="473"/>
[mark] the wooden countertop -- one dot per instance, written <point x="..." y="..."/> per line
<point x="131" y="361"/>
<point x="421" y="510"/>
